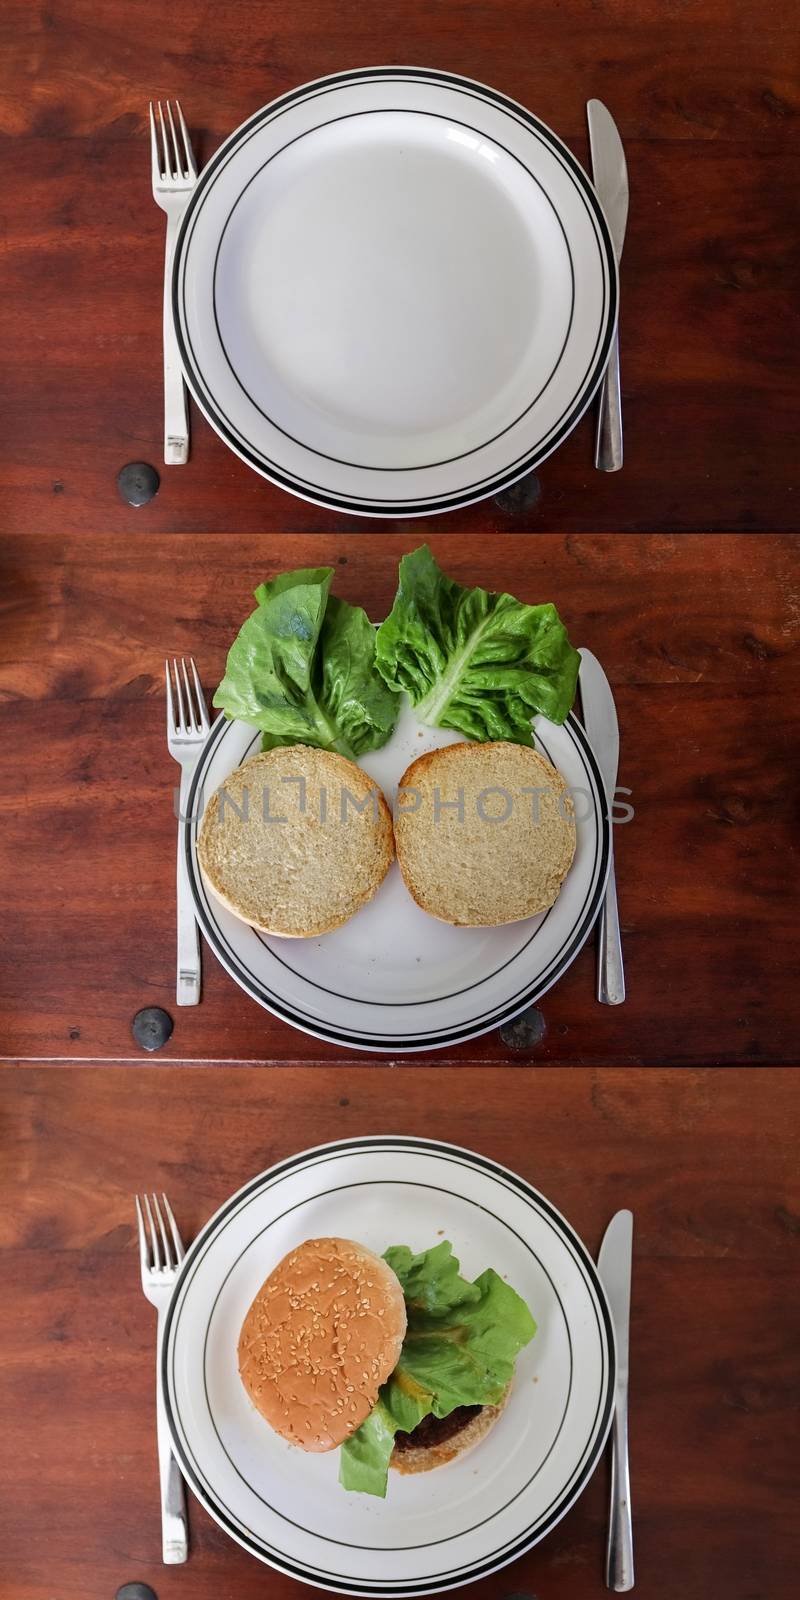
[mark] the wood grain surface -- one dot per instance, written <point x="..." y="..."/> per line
<point x="706" y="101"/>
<point x="698" y="637"/>
<point x="707" y="1160"/>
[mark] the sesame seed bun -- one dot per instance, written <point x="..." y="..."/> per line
<point x="323" y="1333"/>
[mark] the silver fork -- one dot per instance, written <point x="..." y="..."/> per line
<point x="174" y="175"/>
<point x="160" y="1256"/>
<point x="186" y="734"/>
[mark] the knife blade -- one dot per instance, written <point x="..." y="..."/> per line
<point x="600" y="722"/>
<point x="600" y="719"/>
<point x="610" y="175"/>
<point x="609" y="170"/>
<point x="615" y="1264"/>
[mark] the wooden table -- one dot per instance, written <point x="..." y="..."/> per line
<point x="698" y="635"/>
<point x="708" y="1161"/>
<point x="705" y="101"/>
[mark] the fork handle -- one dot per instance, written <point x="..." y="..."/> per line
<point x="176" y="407"/>
<point x="174" y="1526"/>
<point x="608" y="443"/>
<point x="187" y="991"/>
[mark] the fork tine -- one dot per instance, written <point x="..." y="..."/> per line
<point x="168" y="1261"/>
<point x="194" y="724"/>
<point x="176" y="1238"/>
<point x="200" y="697"/>
<point x="167" y="168"/>
<point x="178" y="162"/>
<point x="186" y="145"/>
<point x="144" y="1253"/>
<point x="170" y="706"/>
<point x="155" y="162"/>
<point x="153" y="1235"/>
<point x="182" y="723"/>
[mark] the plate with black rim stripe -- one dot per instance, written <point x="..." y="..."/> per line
<point x="441" y="1529"/>
<point x="394" y="291"/>
<point x="394" y="978"/>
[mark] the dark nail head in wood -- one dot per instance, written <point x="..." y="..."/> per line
<point x="137" y="483"/>
<point x="520" y="496"/>
<point x="525" y="1031"/>
<point x="152" y="1027"/>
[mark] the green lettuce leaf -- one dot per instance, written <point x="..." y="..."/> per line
<point x="469" y="659"/>
<point x="351" y="691"/>
<point x="302" y="669"/>
<point x="364" y="1457"/>
<point x="431" y="1282"/>
<point x="460" y="1348"/>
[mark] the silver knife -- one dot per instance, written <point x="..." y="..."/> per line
<point x="600" y="722"/>
<point x="614" y="1265"/>
<point x="610" y="178"/>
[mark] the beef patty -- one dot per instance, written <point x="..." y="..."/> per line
<point x="436" y="1430"/>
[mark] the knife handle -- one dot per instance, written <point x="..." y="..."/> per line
<point x="619" y="1551"/>
<point x="610" y="971"/>
<point x="608" y="443"/>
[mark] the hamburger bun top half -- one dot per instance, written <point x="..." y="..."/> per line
<point x="323" y="1333"/>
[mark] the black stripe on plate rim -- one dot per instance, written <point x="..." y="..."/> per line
<point x="530" y="124"/>
<point x="307" y="484"/>
<point x="346" y="1543"/>
<point x="432" y="1039"/>
<point x="421" y="506"/>
<point x="500" y="1174"/>
<point x="361" y="466"/>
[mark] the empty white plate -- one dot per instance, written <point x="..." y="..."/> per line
<point x="443" y="1528"/>
<point x="394" y="978"/>
<point x="394" y="291"/>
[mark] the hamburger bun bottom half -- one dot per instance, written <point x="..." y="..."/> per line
<point x="425" y="1457"/>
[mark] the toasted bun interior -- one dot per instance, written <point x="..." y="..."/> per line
<point x="311" y="871"/>
<point x="323" y="1333"/>
<point x="484" y="833"/>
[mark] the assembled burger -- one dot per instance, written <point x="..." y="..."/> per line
<point x="397" y="1359"/>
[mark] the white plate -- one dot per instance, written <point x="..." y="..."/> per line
<point x="394" y="291"/>
<point x="394" y="978"/>
<point x="466" y="1519"/>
